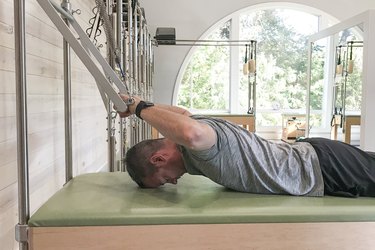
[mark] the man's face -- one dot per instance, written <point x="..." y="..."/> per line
<point x="168" y="164"/>
<point x="162" y="175"/>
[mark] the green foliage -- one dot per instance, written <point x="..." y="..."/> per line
<point x="205" y="84"/>
<point x="286" y="50"/>
<point x="317" y="77"/>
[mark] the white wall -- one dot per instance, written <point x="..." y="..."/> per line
<point x="192" y="18"/>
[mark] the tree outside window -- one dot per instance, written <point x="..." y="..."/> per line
<point x="282" y="58"/>
<point x="205" y="83"/>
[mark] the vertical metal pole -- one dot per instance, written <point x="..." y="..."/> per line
<point x="120" y="37"/>
<point x="139" y="68"/>
<point x="130" y="45"/>
<point x="255" y="78"/>
<point x="149" y="74"/>
<point x="21" y="106"/>
<point x="131" y="67"/>
<point x="141" y="54"/>
<point x="112" y="152"/>
<point x="135" y="65"/>
<point x="67" y="102"/>
<point x="135" y="48"/>
<point x="143" y="65"/>
<point x="308" y="87"/>
<point x="126" y="124"/>
<point x="147" y="91"/>
<point x="110" y="133"/>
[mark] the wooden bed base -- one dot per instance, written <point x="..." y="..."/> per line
<point x="327" y="235"/>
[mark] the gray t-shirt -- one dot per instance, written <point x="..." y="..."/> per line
<point x="245" y="162"/>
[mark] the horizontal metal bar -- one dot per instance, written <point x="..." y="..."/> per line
<point x="171" y="42"/>
<point x="346" y="46"/>
<point x="201" y="44"/>
<point x="214" y="41"/>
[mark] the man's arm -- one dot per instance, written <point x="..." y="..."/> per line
<point x="175" y="124"/>
<point x="174" y="109"/>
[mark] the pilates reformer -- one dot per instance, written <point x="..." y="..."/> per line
<point x="195" y="214"/>
<point x="198" y="214"/>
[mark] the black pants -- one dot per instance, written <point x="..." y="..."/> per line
<point x="347" y="170"/>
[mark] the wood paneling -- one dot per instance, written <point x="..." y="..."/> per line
<point x="8" y="218"/>
<point x="45" y="89"/>
<point x="293" y="236"/>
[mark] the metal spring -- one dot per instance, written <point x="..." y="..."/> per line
<point x="96" y="22"/>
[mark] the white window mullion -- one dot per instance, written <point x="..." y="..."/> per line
<point x="329" y="69"/>
<point x="234" y="78"/>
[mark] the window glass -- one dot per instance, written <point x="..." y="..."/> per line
<point x="282" y="50"/>
<point x="205" y="82"/>
<point x="281" y="37"/>
<point x="318" y="81"/>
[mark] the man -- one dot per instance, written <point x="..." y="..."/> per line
<point x="237" y="159"/>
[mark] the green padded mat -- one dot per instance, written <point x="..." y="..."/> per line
<point x="113" y="199"/>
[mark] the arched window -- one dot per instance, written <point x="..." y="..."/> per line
<point x="213" y="82"/>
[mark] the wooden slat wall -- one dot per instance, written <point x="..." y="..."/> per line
<point x="45" y="113"/>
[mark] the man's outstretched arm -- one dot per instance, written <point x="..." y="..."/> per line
<point x="175" y="124"/>
<point x="174" y="109"/>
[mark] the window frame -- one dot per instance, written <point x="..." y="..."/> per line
<point x="324" y="20"/>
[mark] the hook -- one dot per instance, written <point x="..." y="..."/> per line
<point x="78" y="11"/>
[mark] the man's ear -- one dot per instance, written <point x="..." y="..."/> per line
<point x="158" y="160"/>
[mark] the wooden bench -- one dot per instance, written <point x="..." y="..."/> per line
<point x="348" y="122"/>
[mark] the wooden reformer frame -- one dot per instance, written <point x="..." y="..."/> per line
<point x="292" y="236"/>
